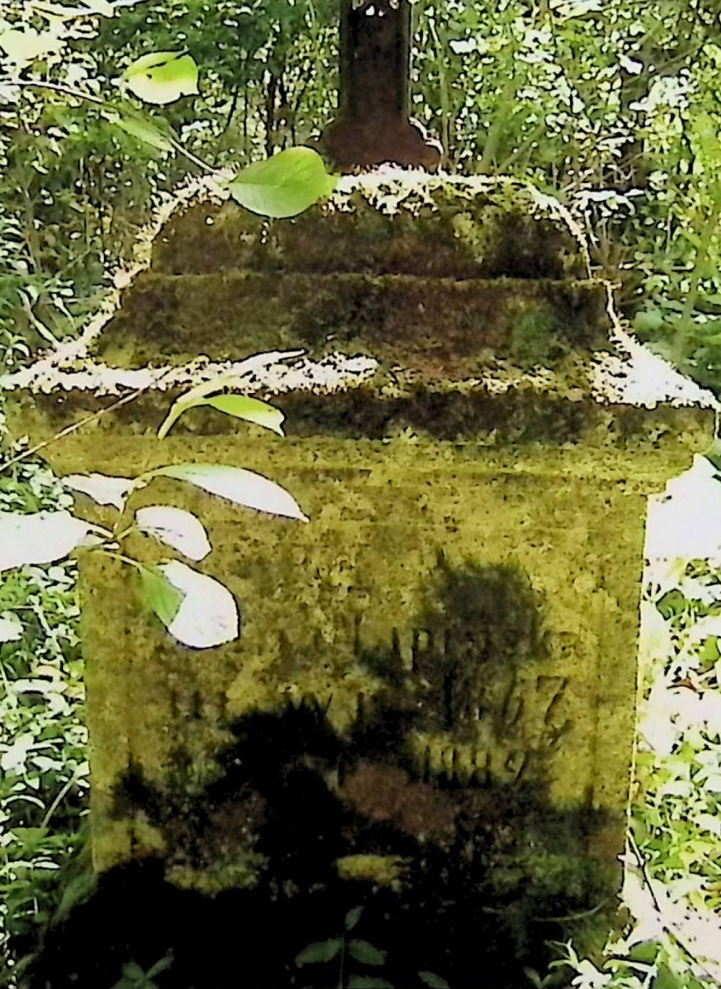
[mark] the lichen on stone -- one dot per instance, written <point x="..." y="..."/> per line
<point x="383" y="870"/>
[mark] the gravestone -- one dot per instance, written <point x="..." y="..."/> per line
<point x="430" y="709"/>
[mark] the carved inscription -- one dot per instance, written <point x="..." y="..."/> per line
<point x="470" y="676"/>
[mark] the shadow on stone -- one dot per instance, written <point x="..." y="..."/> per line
<point x="460" y="873"/>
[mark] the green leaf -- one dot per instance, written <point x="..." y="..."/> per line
<point x="101" y="488"/>
<point x="175" y="527"/>
<point x="24" y="46"/>
<point x="644" y="951"/>
<point x="162" y="77"/>
<point x="648" y="321"/>
<point x="10" y="629"/>
<point x="714" y="454"/>
<point x="368" y="982"/>
<point x="159" y="594"/>
<point x="131" y="970"/>
<point x="352" y="917"/>
<point x="284" y="185"/>
<point x="250" y="409"/>
<point x="240" y="406"/>
<point x="321" y="951"/>
<point x="666" y="979"/>
<point x="143" y="130"/>
<point x="366" y="953"/>
<point x="159" y="966"/>
<point x="435" y="981"/>
<point x="223" y="383"/>
<point x="42" y="537"/>
<point x="243" y="487"/>
<point x="208" y="615"/>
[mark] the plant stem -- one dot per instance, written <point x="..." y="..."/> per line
<point x="83" y="422"/>
<point x="341" y="974"/>
<point x="59" y="798"/>
<point x="443" y="85"/>
<point x="121" y="557"/>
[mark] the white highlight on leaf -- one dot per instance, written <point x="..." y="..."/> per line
<point x="39" y="538"/>
<point x="10" y="629"/>
<point x="244" y="487"/>
<point x="175" y="527"/>
<point x="101" y="488"/>
<point x="208" y="615"/>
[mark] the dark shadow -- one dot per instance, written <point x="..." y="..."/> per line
<point x="460" y="874"/>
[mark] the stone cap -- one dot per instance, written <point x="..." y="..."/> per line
<point x="552" y="364"/>
<point x="624" y="398"/>
<point x="391" y="221"/>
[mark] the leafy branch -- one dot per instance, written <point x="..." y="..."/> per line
<point x="196" y="609"/>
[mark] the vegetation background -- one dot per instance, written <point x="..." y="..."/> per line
<point x="612" y="106"/>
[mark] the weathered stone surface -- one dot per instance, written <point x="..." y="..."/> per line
<point x="477" y="595"/>
<point x="392" y="317"/>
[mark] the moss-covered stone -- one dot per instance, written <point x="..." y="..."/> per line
<point x="458" y="326"/>
<point x="383" y="870"/>
<point x="319" y="624"/>
<point x="427" y="227"/>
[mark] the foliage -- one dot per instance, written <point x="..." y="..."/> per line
<point x="612" y="106"/>
<point x="195" y="608"/>
<point x="672" y="884"/>
<point x="134" y="977"/>
<point x="43" y="741"/>
<point x="83" y="166"/>
<point x="341" y="955"/>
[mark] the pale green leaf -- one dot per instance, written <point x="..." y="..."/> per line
<point x="368" y="982"/>
<point x="42" y="537"/>
<point x="10" y="629"/>
<point x="131" y="970"/>
<point x="224" y="382"/>
<point x="433" y="981"/>
<point x="159" y="594"/>
<point x="367" y="953"/>
<point x="103" y="489"/>
<point x="240" y="406"/>
<point x="175" y="527"/>
<point x="208" y="615"/>
<point x="24" y="46"/>
<point x="352" y="917"/>
<point x="250" y="409"/>
<point x="243" y="487"/>
<point x="321" y="951"/>
<point x="144" y="130"/>
<point x="162" y="77"/>
<point x="160" y="966"/>
<point x="284" y="185"/>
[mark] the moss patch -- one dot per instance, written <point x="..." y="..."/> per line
<point x="398" y="318"/>
<point x="443" y="229"/>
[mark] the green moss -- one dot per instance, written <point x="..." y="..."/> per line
<point x="358" y="612"/>
<point x="383" y="870"/>
<point x="537" y="335"/>
<point x="242" y="873"/>
<point x="456" y="229"/>
<point x="437" y="326"/>
<point x="464" y="600"/>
